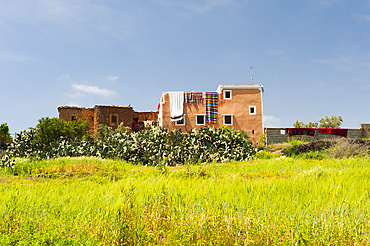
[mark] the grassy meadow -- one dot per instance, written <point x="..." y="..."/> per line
<point x="93" y="201"/>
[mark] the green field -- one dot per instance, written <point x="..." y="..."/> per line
<point x="92" y="201"/>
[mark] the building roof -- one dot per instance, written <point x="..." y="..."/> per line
<point x="96" y="106"/>
<point x="249" y="86"/>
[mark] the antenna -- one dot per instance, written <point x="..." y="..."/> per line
<point x="252" y="74"/>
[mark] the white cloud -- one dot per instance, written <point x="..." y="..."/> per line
<point x="112" y="78"/>
<point x="73" y="104"/>
<point x="75" y="95"/>
<point x="94" y="90"/>
<point x="272" y="121"/>
<point x="65" y="76"/>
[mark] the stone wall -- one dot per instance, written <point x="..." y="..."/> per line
<point x="146" y="115"/>
<point x="106" y="114"/>
<point x="68" y="113"/>
<point x="100" y="114"/>
<point x="280" y="135"/>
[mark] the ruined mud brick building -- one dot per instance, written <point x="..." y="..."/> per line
<point x="107" y="115"/>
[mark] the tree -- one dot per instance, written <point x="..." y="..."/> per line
<point x="298" y="124"/>
<point x="311" y="125"/>
<point x="4" y="133"/>
<point x="51" y="129"/>
<point x="333" y="122"/>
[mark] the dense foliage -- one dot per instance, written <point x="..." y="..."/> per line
<point x="332" y="122"/>
<point x="147" y="147"/>
<point x="50" y="129"/>
<point x="4" y="133"/>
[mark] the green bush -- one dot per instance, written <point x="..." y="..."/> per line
<point x="147" y="147"/>
<point x="49" y="130"/>
<point x="315" y="155"/>
<point x="4" y="133"/>
<point x="264" y="155"/>
<point x="296" y="142"/>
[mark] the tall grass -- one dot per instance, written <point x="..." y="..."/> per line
<point x="265" y="202"/>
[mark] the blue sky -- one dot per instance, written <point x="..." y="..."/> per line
<point x="312" y="56"/>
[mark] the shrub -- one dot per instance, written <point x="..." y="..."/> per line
<point x="296" y="142"/>
<point x="147" y="147"/>
<point x="316" y="155"/>
<point x="345" y="148"/>
<point x="264" y="155"/>
<point x="290" y="151"/>
<point x="52" y="129"/>
<point x="4" y="133"/>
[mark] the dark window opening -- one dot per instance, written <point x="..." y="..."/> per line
<point x="228" y="94"/>
<point x="74" y="118"/>
<point x="200" y="119"/>
<point x="92" y="118"/>
<point x="180" y="122"/>
<point x="228" y="120"/>
<point x="114" y="119"/>
<point x="252" y="131"/>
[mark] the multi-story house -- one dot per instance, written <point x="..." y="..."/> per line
<point x="238" y="106"/>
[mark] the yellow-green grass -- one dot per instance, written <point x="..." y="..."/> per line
<point x="90" y="201"/>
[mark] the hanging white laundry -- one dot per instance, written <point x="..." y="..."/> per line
<point x="176" y="105"/>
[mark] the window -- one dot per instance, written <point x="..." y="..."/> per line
<point x="92" y="118"/>
<point x="74" y="117"/>
<point x="252" y="131"/>
<point x="180" y="122"/>
<point x="227" y="95"/>
<point x="200" y="120"/>
<point x="228" y="120"/>
<point x="282" y="132"/>
<point x="113" y="119"/>
<point x="252" y="110"/>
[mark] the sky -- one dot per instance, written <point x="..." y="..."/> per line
<point x="312" y="56"/>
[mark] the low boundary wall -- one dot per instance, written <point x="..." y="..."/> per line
<point x="280" y="135"/>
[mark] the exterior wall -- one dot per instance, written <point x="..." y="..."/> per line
<point x="280" y="135"/>
<point x="103" y="115"/>
<point x="100" y="114"/>
<point x="66" y="113"/>
<point x="238" y="106"/>
<point x="148" y="115"/>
